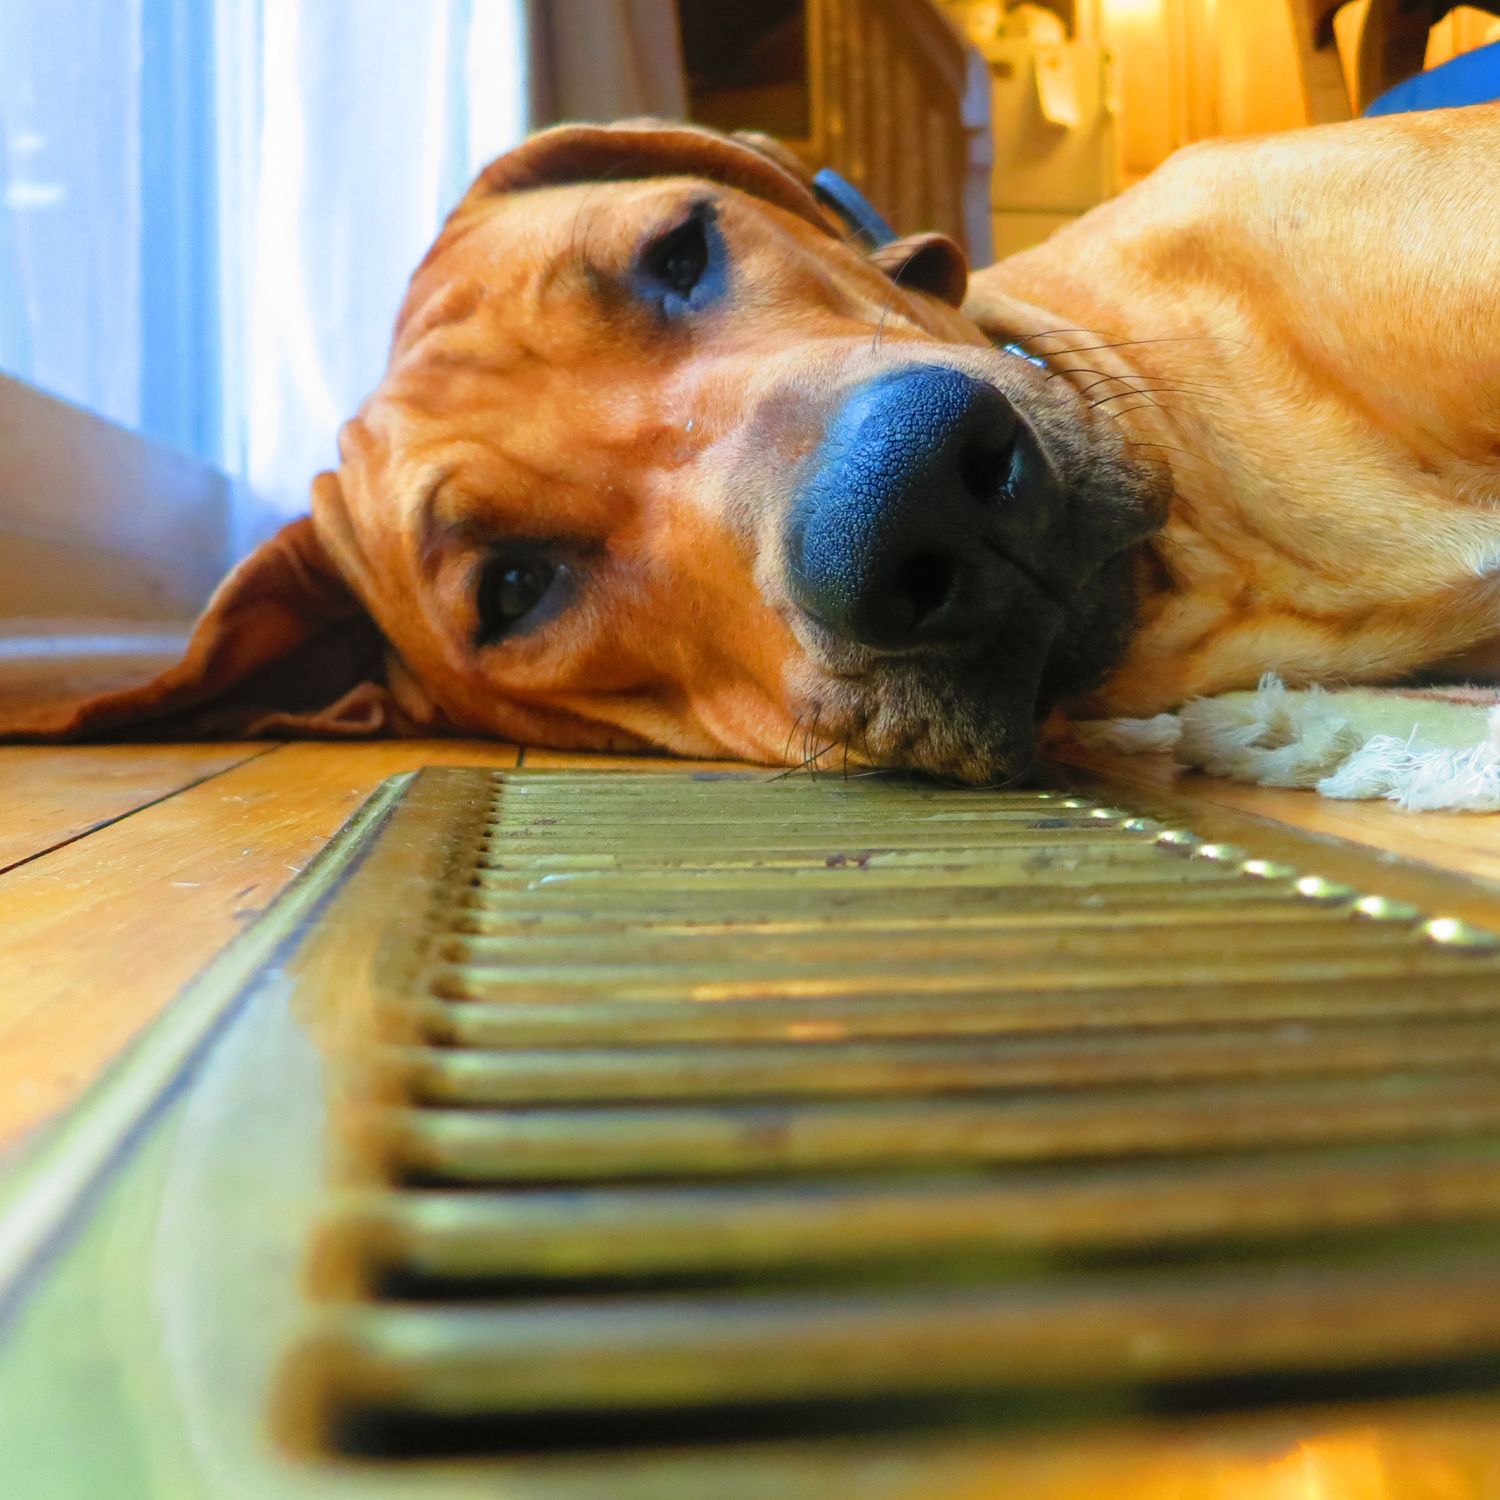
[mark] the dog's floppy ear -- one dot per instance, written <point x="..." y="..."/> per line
<point x="282" y="649"/>
<point x="633" y="150"/>
<point x="636" y="149"/>
<point x="930" y="263"/>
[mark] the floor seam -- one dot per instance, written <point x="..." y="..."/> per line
<point x="130" y="812"/>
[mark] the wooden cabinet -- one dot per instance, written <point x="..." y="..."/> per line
<point x="887" y="92"/>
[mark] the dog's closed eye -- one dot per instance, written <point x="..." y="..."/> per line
<point x="677" y="269"/>
<point x="511" y="588"/>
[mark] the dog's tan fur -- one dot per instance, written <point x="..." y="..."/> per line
<point x="1293" y="342"/>
<point x="1318" y="310"/>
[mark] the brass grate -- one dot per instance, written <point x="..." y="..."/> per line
<point x="695" y="1107"/>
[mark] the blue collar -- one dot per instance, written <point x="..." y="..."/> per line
<point x="1026" y="354"/>
<point x="852" y="209"/>
<point x="859" y="216"/>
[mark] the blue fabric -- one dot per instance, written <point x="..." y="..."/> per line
<point x="1470" y="78"/>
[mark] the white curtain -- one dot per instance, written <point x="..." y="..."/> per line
<point x="345" y="139"/>
<point x="605" y="60"/>
<point x="209" y="208"/>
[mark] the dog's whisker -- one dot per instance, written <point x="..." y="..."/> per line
<point x="813" y="762"/>
<point x="1124" y="380"/>
<point x="810" y="756"/>
<point x="890" y="298"/>
<point x="1025" y="338"/>
<point x="1187" y="453"/>
<point x="1137" y="343"/>
<point x="1103" y="400"/>
<point x="1050" y="333"/>
<point x="1148" y="390"/>
<point x="1148" y="399"/>
<point x="786" y="750"/>
<point x="1083" y="390"/>
<point x="1151" y="404"/>
<point x="1116" y="414"/>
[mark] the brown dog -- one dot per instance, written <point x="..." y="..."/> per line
<point x="661" y="461"/>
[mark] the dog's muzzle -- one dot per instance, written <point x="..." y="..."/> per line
<point x="923" y="515"/>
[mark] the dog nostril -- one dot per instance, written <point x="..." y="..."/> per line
<point x="983" y="465"/>
<point x="925" y="583"/>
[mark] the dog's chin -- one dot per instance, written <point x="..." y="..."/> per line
<point x="973" y="716"/>
<point x="1094" y="637"/>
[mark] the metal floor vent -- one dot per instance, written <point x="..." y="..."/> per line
<point x="693" y="1116"/>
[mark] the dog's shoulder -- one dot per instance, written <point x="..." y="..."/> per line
<point x="1353" y="165"/>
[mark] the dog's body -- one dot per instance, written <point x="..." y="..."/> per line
<point x="1320" y="313"/>
<point x="660" y="462"/>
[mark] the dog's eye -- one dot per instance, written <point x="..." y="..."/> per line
<point x="676" y="266"/>
<point x="679" y="260"/>
<point x="509" y="589"/>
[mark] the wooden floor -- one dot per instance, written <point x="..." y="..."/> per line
<point x="124" y="869"/>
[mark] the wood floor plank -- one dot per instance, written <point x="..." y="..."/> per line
<point x="1466" y="843"/>
<point x="50" y="795"/>
<point x="97" y="936"/>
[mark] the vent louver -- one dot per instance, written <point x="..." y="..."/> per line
<point x="691" y="1108"/>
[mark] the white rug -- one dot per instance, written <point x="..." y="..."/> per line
<point x="1425" y="749"/>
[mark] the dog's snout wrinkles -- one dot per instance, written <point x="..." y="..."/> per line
<point x="897" y="540"/>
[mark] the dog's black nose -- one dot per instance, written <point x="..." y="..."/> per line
<point x="898" y="537"/>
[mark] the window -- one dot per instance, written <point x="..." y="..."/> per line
<point x="209" y="208"/>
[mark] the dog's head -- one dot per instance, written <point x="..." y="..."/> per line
<point x="661" y="460"/>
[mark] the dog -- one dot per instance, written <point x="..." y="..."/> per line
<point x="662" y="460"/>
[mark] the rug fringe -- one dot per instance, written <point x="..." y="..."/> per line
<point x="1329" y="741"/>
<point x="1423" y="780"/>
